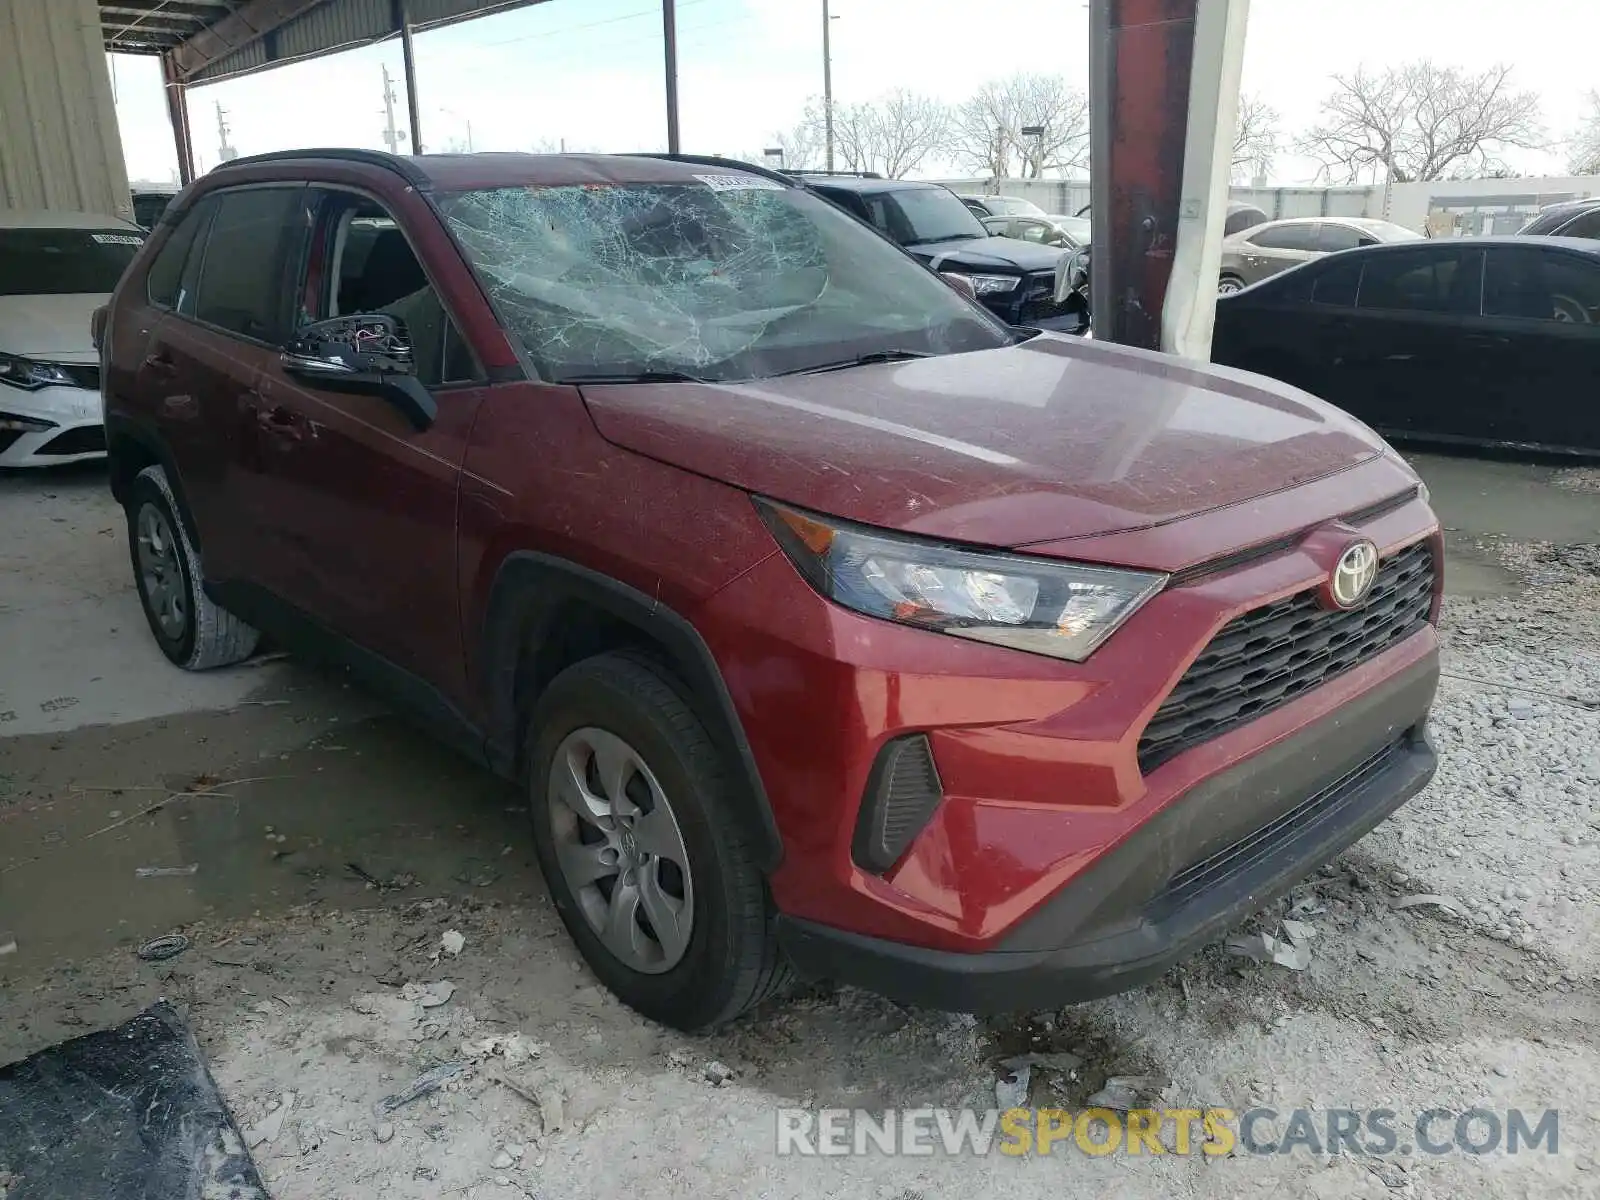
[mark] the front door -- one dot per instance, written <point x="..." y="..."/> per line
<point x="368" y="499"/>
<point x="1540" y="351"/>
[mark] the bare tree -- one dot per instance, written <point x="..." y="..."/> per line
<point x="1256" y="139"/>
<point x="1051" y="104"/>
<point x="1585" y="146"/>
<point x="1420" y="121"/>
<point x="891" y="136"/>
<point x="804" y="146"/>
<point x="986" y="131"/>
<point x="981" y="131"/>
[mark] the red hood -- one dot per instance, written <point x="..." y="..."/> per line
<point x="1054" y="438"/>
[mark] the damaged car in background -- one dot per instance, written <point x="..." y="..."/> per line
<point x="830" y="624"/>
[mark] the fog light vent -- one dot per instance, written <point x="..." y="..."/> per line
<point x="902" y="793"/>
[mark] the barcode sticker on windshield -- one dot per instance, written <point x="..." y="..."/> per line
<point x="117" y="239"/>
<point x="739" y="183"/>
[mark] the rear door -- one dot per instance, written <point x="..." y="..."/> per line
<point x="1404" y="352"/>
<point x="1539" y="353"/>
<point x="1277" y="248"/>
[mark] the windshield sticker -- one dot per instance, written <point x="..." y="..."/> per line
<point x="739" y="183"/>
<point x="117" y="239"/>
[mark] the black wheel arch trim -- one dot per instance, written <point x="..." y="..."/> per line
<point x="119" y="428"/>
<point x="529" y="589"/>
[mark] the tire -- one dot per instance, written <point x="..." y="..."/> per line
<point x="1228" y="284"/>
<point x="722" y="958"/>
<point x="192" y="631"/>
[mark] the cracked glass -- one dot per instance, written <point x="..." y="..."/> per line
<point x="725" y="277"/>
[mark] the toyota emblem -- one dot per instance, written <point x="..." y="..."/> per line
<point x="1353" y="575"/>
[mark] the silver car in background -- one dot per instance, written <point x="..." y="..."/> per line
<point x="1256" y="253"/>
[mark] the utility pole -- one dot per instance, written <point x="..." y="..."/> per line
<point x="225" y="152"/>
<point x="827" y="81"/>
<point x="391" y="135"/>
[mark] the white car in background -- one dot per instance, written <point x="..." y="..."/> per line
<point x="56" y="268"/>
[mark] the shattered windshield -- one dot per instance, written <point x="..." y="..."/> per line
<point x="729" y="277"/>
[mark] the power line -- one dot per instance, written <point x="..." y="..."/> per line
<point x="633" y="16"/>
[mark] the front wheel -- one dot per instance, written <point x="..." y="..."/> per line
<point x="1228" y="284"/>
<point x="633" y="829"/>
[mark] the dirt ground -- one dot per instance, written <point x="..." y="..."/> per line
<point x="333" y="848"/>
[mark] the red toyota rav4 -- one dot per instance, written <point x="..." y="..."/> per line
<point x="830" y="624"/>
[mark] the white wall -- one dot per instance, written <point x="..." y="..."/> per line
<point x="59" y="145"/>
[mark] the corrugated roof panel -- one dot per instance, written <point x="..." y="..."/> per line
<point x="343" y="24"/>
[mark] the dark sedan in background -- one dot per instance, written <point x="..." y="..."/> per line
<point x="1491" y="341"/>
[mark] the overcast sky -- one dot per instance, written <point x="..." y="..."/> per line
<point x="591" y="73"/>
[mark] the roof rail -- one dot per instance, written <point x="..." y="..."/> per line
<point x="714" y="160"/>
<point x="401" y="165"/>
<point x="850" y="174"/>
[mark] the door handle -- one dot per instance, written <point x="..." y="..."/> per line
<point x="282" y="423"/>
<point x="160" y="363"/>
<point x="1487" y="339"/>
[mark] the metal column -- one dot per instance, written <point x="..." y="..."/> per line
<point x="669" y="37"/>
<point x="413" y="108"/>
<point x="1164" y="79"/>
<point x="178" y="115"/>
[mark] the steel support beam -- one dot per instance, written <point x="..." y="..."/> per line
<point x="1164" y="79"/>
<point x="178" y="115"/>
<point x="408" y="54"/>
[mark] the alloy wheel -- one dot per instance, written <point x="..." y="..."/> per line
<point x="620" y="850"/>
<point x="159" y="569"/>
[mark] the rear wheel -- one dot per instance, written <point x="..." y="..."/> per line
<point x="1228" y="284"/>
<point x="191" y="630"/>
<point x="639" y="848"/>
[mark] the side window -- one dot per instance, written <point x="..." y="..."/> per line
<point x="244" y="277"/>
<point x="1336" y="287"/>
<point x="1436" y="282"/>
<point x="1035" y="231"/>
<point x="361" y="262"/>
<point x="1537" y="286"/>
<point x="1585" y="226"/>
<point x="165" y="282"/>
<point x="1332" y="236"/>
<point x="1286" y="237"/>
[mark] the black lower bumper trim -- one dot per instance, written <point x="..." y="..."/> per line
<point x="1130" y="944"/>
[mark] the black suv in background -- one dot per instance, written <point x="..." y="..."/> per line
<point x="1574" y="218"/>
<point x="1016" y="280"/>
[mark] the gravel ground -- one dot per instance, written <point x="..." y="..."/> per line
<point x="1487" y="1000"/>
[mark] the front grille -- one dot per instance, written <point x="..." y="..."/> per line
<point x="1267" y="657"/>
<point x="1199" y="877"/>
<point x="86" y="439"/>
<point x="1038" y="298"/>
<point x="84" y="377"/>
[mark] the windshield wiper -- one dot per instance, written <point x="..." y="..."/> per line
<point x="863" y="360"/>
<point x="944" y="237"/>
<point x="635" y="377"/>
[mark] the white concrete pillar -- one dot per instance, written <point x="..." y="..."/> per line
<point x="59" y="143"/>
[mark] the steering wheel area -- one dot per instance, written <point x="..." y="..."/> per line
<point x="1570" y="311"/>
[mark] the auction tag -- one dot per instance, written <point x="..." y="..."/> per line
<point x="739" y="183"/>
<point x="118" y="239"/>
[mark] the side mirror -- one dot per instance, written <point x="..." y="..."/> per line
<point x="961" y="284"/>
<point x="364" y="354"/>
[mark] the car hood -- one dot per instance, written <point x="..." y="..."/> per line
<point x="49" y="327"/>
<point x="1052" y="438"/>
<point x="988" y="254"/>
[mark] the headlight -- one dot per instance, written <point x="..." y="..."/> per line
<point x="989" y="285"/>
<point x="24" y="373"/>
<point x="1039" y="605"/>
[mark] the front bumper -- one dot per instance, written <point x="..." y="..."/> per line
<point x="74" y="429"/>
<point x="1231" y="844"/>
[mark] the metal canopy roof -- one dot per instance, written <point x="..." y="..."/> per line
<point x="208" y="40"/>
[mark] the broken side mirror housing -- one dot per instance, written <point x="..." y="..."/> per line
<point x="363" y="354"/>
